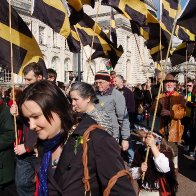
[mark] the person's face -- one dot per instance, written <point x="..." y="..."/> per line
<point x="148" y="84"/>
<point x="31" y="78"/>
<point x="51" y="78"/>
<point x="102" y="85"/>
<point x="169" y="86"/>
<point x="37" y="121"/>
<point x="190" y="87"/>
<point x="79" y="104"/>
<point x="118" y="82"/>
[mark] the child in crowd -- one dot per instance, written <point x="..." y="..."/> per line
<point x="160" y="178"/>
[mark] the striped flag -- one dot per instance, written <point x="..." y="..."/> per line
<point x="77" y="5"/>
<point x="169" y="12"/>
<point x="25" y="47"/>
<point x="135" y="10"/>
<point x="188" y="17"/>
<point x="179" y="54"/>
<point x="184" y="34"/>
<point x="103" y="46"/>
<point x="54" y="14"/>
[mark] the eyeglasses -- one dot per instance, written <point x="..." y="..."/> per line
<point x="189" y="85"/>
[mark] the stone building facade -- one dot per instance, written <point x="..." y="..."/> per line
<point x="135" y="64"/>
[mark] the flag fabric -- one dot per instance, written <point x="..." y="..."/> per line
<point x="135" y="10"/>
<point x="169" y="12"/>
<point x="25" y="47"/>
<point x="151" y="33"/>
<point x="74" y="41"/>
<point x="188" y="17"/>
<point x="54" y="14"/>
<point x="156" y="44"/>
<point x="103" y="46"/>
<point x="77" y="5"/>
<point x="184" y="34"/>
<point x="76" y="9"/>
<point x="179" y="54"/>
<point x="108" y="65"/>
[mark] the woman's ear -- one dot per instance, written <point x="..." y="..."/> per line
<point x="89" y="99"/>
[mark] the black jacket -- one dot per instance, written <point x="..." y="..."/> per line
<point x="104" y="161"/>
<point x="7" y="138"/>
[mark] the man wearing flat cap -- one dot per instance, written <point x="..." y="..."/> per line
<point x="113" y="103"/>
<point x="171" y="109"/>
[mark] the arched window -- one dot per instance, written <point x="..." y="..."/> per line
<point x="67" y="68"/>
<point x="55" y="64"/>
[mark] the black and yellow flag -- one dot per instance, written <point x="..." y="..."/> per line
<point x="156" y="44"/>
<point x="188" y="17"/>
<point x="76" y="9"/>
<point x="184" y="34"/>
<point x="169" y="12"/>
<point x="77" y="5"/>
<point x="73" y="41"/>
<point x="183" y="52"/>
<point x="135" y="10"/>
<point x="54" y="14"/>
<point x="103" y="46"/>
<point x="25" y="47"/>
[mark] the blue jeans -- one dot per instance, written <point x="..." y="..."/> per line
<point x="131" y="150"/>
<point x="25" y="175"/>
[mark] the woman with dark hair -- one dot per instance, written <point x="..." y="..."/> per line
<point x="84" y="99"/>
<point x="69" y="162"/>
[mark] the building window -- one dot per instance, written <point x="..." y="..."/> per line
<point x="5" y="75"/>
<point x="41" y="35"/>
<point x="55" y="40"/>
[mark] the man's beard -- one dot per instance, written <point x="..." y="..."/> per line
<point x="169" y="89"/>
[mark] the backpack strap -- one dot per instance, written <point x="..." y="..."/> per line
<point x="114" y="179"/>
<point x="86" y="135"/>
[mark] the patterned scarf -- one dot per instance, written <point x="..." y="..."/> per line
<point x="49" y="145"/>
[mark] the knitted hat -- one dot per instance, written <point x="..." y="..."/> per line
<point x="102" y="75"/>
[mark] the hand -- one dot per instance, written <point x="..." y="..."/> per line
<point x="125" y="145"/>
<point x="14" y="109"/>
<point x="19" y="149"/>
<point x="150" y="140"/>
<point x="144" y="167"/>
<point x="165" y="112"/>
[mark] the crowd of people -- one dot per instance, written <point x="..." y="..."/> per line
<point x="79" y="140"/>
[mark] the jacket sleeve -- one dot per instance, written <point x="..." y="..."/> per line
<point x="122" y="115"/>
<point x="109" y="162"/>
<point x="7" y="135"/>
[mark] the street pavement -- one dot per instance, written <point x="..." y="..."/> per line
<point x="186" y="175"/>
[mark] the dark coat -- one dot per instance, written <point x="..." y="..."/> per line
<point x="129" y="98"/>
<point x="7" y="137"/>
<point x="104" y="161"/>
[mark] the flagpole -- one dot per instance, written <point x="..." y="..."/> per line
<point x="93" y="35"/>
<point x="83" y="49"/>
<point x="12" y="68"/>
<point x="160" y="44"/>
<point x="186" y="69"/>
<point x="157" y="101"/>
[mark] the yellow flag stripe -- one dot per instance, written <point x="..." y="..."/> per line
<point x="137" y="5"/>
<point x="166" y="6"/>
